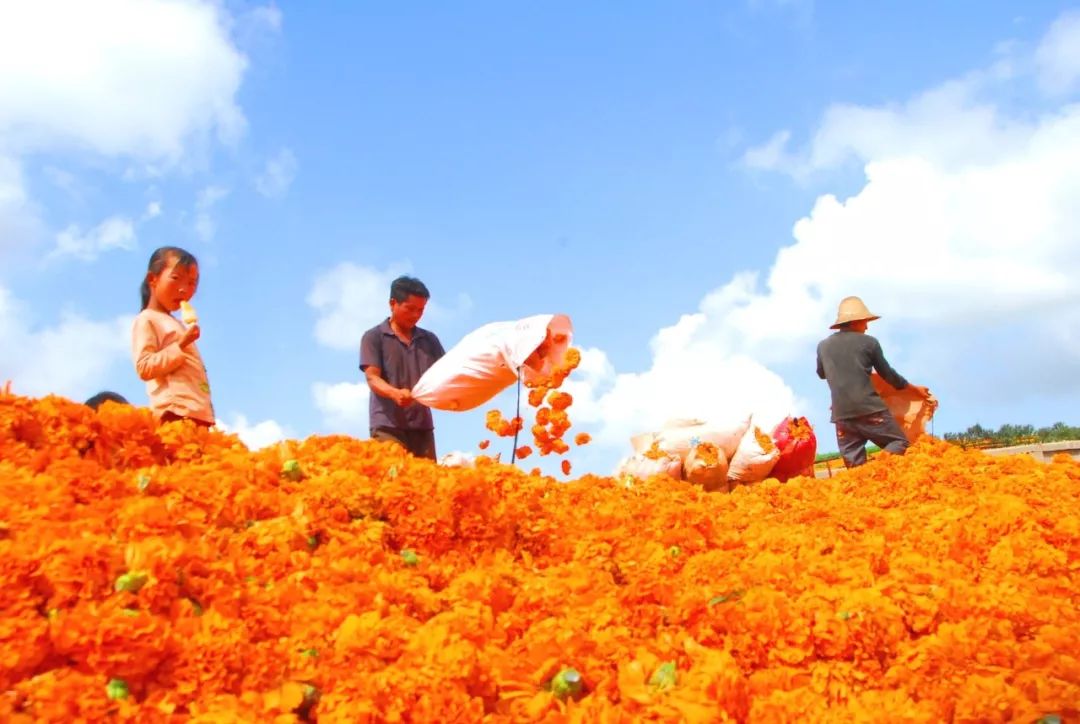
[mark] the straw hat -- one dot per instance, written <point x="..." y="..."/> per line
<point x="852" y="309"/>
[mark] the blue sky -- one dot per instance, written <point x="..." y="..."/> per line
<point x="633" y="165"/>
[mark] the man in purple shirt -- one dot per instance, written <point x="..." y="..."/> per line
<point x="844" y="360"/>
<point x="393" y="357"/>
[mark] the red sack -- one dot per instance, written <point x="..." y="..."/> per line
<point x="798" y="447"/>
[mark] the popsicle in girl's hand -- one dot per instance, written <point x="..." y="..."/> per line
<point x="187" y="314"/>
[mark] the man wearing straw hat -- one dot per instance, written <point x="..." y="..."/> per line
<point x="844" y="360"/>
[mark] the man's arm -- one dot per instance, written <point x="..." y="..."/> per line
<point x="382" y="388"/>
<point x="371" y="365"/>
<point x="883" y="368"/>
<point x="820" y="366"/>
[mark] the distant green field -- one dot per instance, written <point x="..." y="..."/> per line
<point x="824" y="457"/>
<point x="980" y="437"/>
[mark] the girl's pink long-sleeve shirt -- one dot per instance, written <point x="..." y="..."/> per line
<point x="175" y="378"/>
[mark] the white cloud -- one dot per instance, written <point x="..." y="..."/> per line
<point x="771" y="155"/>
<point x="153" y="210"/>
<point x="351" y="299"/>
<point x="266" y="16"/>
<point x="1058" y="56"/>
<point x="116" y="232"/>
<point x="692" y="376"/>
<point x="154" y="81"/>
<point x="966" y="232"/>
<point x="255" y="436"/>
<point x="966" y="209"/>
<point x="437" y="313"/>
<point x="344" y="405"/>
<point x="205" y="226"/>
<point x="950" y="124"/>
<point x="277" y="175"/>
<point x="20" y="221"/>
<point x="66" y="182"/>
<point x="39" y="360"/>
<point x="140" y="78"/>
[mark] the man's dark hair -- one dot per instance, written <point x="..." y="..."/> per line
<point x="102" y="397"/>
<point x="404" y="287"/>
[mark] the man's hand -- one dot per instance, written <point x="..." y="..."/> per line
<point x="190" y="335"/>
<point x="402" y="397"/>
<point x="923" y="392"/>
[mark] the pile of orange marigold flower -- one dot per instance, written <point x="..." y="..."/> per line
<point x="166" y="574"/>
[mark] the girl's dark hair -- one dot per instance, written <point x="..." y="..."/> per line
<point x="102" y="397"/>
<point x="158" y="260"/>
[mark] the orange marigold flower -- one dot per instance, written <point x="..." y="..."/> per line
<point x="509" y="428"/>
<point x="764" y="440"/>
<point x="572" y="358"/>
<point x="654" y="452"/>
<point x="560" y="400"/>
<point x="199" y="583"/>
<point x="523" y="452"/>
<point x="536" y="396"/>
<point x="559" y="427"/>
<point x="543" y="416"/>
<point x="484" y="444"/>
<point x="800" y="429"/>
<point x="707" y="453"/>
<point x="582" y="438"/>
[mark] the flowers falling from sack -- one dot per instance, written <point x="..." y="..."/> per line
<point x="167" y="574"/>
<point x="501" y="426"/>
<point x="552" y="419"/>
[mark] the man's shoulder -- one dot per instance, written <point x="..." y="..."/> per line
<point x="827" y="342"/>
<point x="420" y="331"/>
<point x="378" y="329"/>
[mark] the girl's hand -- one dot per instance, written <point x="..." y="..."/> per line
<point x="190" y="335"/>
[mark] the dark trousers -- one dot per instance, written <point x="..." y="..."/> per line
<point x="880" y="428"/>
<point x="420" y="443"/>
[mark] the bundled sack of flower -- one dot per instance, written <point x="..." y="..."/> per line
<point x="706" y="466"/>
<point x="755" y="457"/>
<point x="679" y="436"/>
<point x="168" y="574"/>
<point x="650" y="463"/>
<point x="797" y="445"/>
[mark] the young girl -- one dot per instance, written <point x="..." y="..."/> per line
<point x="163" y="349"/>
